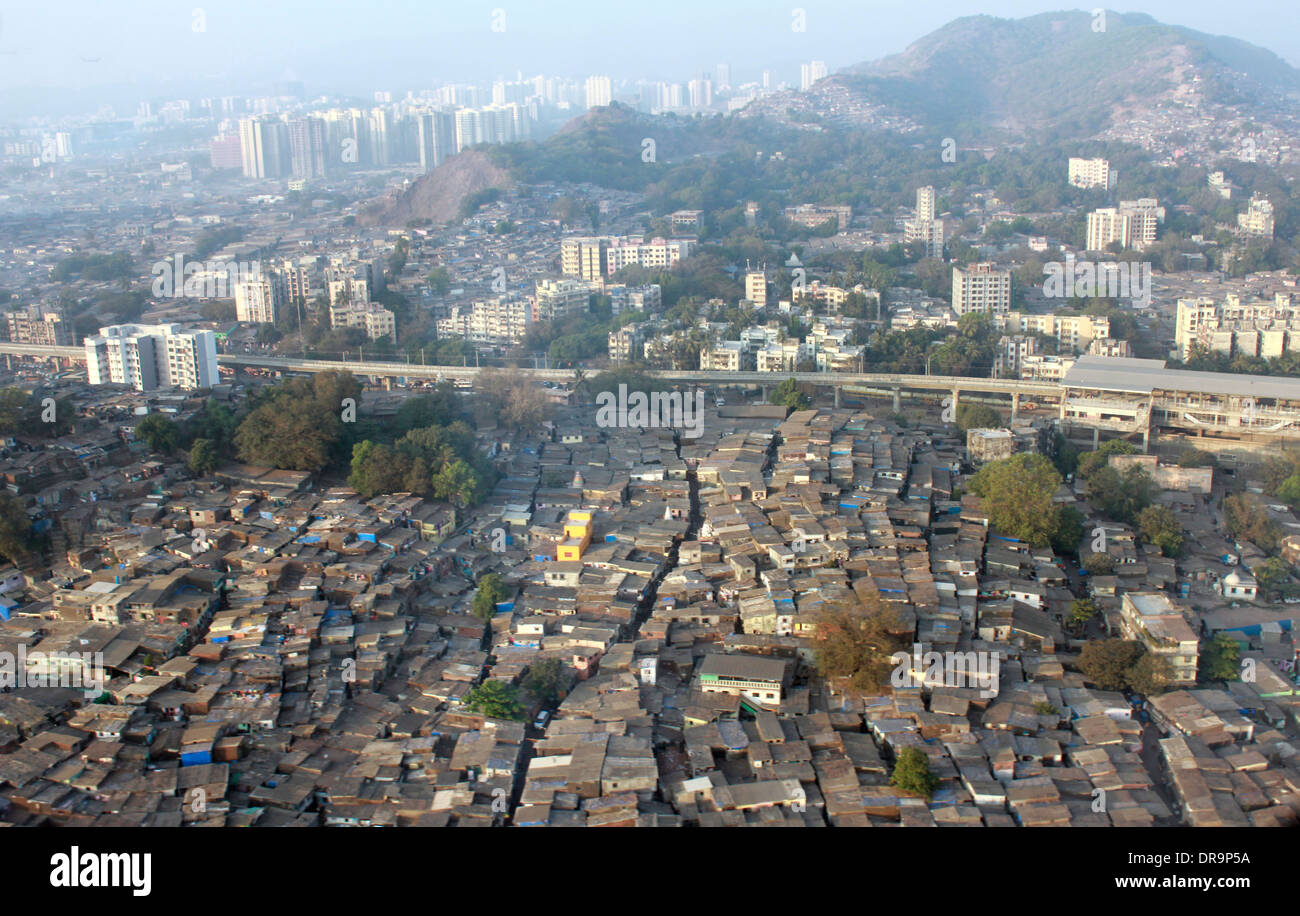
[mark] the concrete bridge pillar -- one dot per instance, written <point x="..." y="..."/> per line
<point x="1096" y="437"/>
<point x="898" y="400"/>
<point x="956" y="397"/>
<point x="764" y="387"/>
<point x="1015" y="405"/>
<point x="837" y="395"/>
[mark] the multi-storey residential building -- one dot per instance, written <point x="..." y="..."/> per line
<point x="685" y="220"/>
<point x="756" y="287"/>
<point x="1109" y="346"/>
<point x="626" y="342"/>
<point x="599" y="91"/>
<point x="648" y="298"/>
<point x="435" y="138"/>
<point x="307" y="151"/>
<point x="1160" y="625"/>
<point x="502" y="320"/>
<point x="1147" y="215"/>
<point x="1073" y="332"/>
<point x="1219" y="183"/>
<point x="1045" y="367"/>
<point x="583" y="257"/>
<point x="39" y="324"/>
<point x="1258" y="218"/>
<point x="811" y="73"/>
<point x="1091" y="173"/>
<point x="813" y="215"/>
<point x="1261" y="327"/>
<point x="152" y="356"/>
<point x="983" y="288"/>
<point x="1012" y="352"/>
<point x="662" y="253"/>
<point x="756" y="680"/>
<point x="295" y="279"/>
<point x="555" y="299"/>
<point x="923" y="227"/>
<point x="257" y="300"/>
<point x="1133" y="224"/>
<point x="781" y="357"/>
<point x="723" y="356"/>
<point x="264" y="147"/>
<point x="928" y="232"/>
<point x="370" y="317"/>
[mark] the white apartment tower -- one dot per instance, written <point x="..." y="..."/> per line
<point x="1092" y="173"/>
<point x="152" y="356"/>
<point x="257" y="301"/>
<point x="599" y="91"/>
<point x="1258" y="218"/>
<point x="981" y="288"/>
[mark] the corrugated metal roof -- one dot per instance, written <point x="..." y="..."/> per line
<point x="1115" y="373"/>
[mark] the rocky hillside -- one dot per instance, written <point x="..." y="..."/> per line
<point x="440" y="195"/>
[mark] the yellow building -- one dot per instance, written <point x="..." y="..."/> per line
<point x="577" y="536"/>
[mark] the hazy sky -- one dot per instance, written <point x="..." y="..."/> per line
<point x="149" y="47"/>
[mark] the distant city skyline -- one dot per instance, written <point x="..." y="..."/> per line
<point x="93" y="54"/>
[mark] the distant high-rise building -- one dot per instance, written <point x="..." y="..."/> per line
<point x="1133" y="224"/>
<point x="225" y="152"/>
<point x="724" y="76"/>
<point x="925" y="202"/>
<point x="599" y="91"/>
<point x="923" y="227"/>
<point x="982" y="288"/>
<point x="701" y="91"/>
<point x="437" y="138"/>
<point x="811" y="73"/>
<point x="469" y="130"/>
<point x="1091" y="173"/>
<point x="307" y="147"/>
<point x="264" y="147"/>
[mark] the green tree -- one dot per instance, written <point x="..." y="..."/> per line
<point x="1195" y="458"/>
<point x="1151" y="675"/>
<point x="546" y="679"/>
<point x="1081" y="611"/>
<point x="1247" y="520"/>
<point x="491" y="592"/>
<point x="1017" y="496"/>
<point x="977" y="416"/>
<point x="159" y="433"/>
<point x="15" y="529"/>
<point x="788" y="395"/>
<point x="1107" y="662"/>
<point x="1272" y="575"/>
<point x="1160" y="526"/>
<point x="857" y="642"/>
<point x="203" y="456"/>
<point x="912" y="773"/>
<point x="1069" y="530"/>
<point x="1099" y="564"/>
<point x="1220" y="660"/>
<point x="1121" y="495"/>
<point x="1091" y="462"/>
<point x="457" y="483"/>
<point x="495" y="699"/>
<point x="439" y="280"/>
